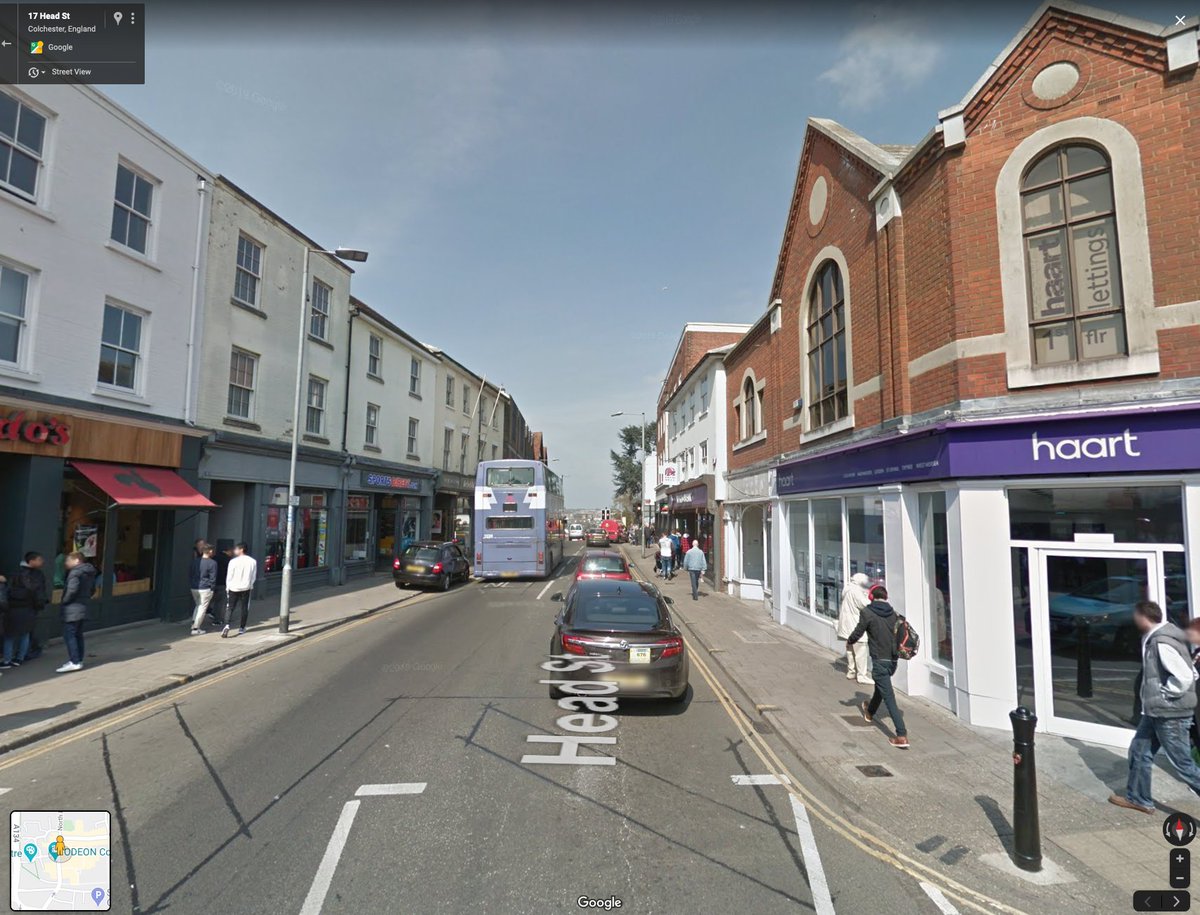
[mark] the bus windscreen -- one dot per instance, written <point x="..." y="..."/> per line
<point x="509" y="476"/>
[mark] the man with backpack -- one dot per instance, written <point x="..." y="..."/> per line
<point x="883" y="628"/>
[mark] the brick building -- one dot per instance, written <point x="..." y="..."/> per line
<point x="979" y="375"/>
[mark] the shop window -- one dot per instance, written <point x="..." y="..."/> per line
<point x="1023" y="629"/>
<point x="1132" y="514"/>
<point x="935" y="557"/>
<point x="132" y="571"/>
<point x="312" y="531"/>
<point x="827" y="370"/>
<point x="358" y="523"/>
<point x="827" y="556"/>
<point x="798" y="594"/>
<point x="864" y="519"/>
<point x="85" y="528"/>
<point x="767" y="548"/>
<point x="120" y="348"/>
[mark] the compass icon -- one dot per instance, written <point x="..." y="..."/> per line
<point x="1179" y="829"/>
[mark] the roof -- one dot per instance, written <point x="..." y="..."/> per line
<point x="884" y="159"/>
<point x="379" y="319"/>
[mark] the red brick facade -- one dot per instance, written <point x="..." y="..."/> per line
<point x="694" y="342"/>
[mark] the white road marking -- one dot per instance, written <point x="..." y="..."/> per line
<point x="760" y="779"/>
<point x="398" y="788"/>
<point x="822" y="901"/>
<point x="5" y="790"/>
<point x="938" y="899"/>
<point x="333" y="851"/>
<point x="544" y="590"/>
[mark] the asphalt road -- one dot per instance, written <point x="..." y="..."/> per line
<point x="226" y="794"/>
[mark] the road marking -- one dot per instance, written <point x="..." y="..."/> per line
<point x="544" y="590"/>
<point x="333" y="851"/>
<point x="760" y="779"/>
<point x="5" y="790"/>
<point x="398" y="788"/>
<point x="817" y="883"/>
<point x="938" y="899"/>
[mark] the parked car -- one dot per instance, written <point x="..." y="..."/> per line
<point x="575" y="532"/>
<point x="629" y="625"/>
<point x="597" y="537"/>
<point x="431" y="564"/>
<point x="603" y="564"/>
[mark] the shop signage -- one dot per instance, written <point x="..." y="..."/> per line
<point x="1149" y="441"/>
<point x="18" y="427"/>
<point x="358" y="503"/>
<point x="670" y="474"/>
<point x="387" y="481"/>
<point x="697" y="496"/>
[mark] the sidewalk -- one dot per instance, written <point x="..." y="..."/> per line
<point x="132" y="663"/>
<point x="949" y="800"/>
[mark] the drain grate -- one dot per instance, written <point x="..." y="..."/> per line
<point x="874" y="771"/>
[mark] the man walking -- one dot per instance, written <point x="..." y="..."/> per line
<point x="666" y="552"/>
<point x="76" y="599"/>
<point x="239" y="580"/>
<point x="878" y="621"/>
<point x="27" y="595"/>
<point x="204" y="581"/>
<point x="696" y="564"/>
<point x="854" y="601"/>
<point x="1168" y="701"/>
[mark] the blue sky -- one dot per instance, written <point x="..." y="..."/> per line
<point x="549" y="195"/>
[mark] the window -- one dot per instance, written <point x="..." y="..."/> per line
<point x="242" y="368"/>
<point x="827" y="388"/>
<point x="372" y="424"/>
<point x="447" y="445"/>
<point x="864" y="523"/>
<point x="704" y="395"/>
<point x="749" y="409"/>
<point x="495" y="452"/>
<point x="462" y="456"/>
<point x="22" y="131"/>
<point x="412" y="437"/>
<point x="692" y="410"/>
<point x="704" y="457"/>
<point x="450" y="390"/>
<point x="496" y="415"/>
<point x="14" y="290"/>
<point x="1070" y="237"/>
<point x="314" y="418"/>
<point x="375" y="357"/>
<point x="358" y="537"/>
<point x="798" y="535"/>
<point x="318" y="322"/>
<point x="120" y="345"/>
<point x="310" y="548"/>
<point x="466" y="400"/>
<point x="414" y="377"/>
<point x="249" y="271"/>
<point x="509" y="476"/>
<point x="479" y="452"/>
<point x="131" y="209"/>
<point x="827" y="555"/>
<point x="935" y="553"/>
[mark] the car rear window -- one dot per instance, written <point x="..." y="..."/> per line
<point x="633" y="612"/>
<point x="426" y="553"/>
<point x="514" y="523"/>
<point x="603" y="564"/>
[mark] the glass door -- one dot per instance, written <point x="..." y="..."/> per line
<point x="1086" y="648"/>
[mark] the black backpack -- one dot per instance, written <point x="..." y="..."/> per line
<point x="907" y="640"/>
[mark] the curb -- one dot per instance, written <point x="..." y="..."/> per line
<point x="125" y="702"/>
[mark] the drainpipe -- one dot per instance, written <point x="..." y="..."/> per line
<point x="354" y="313"/>
<point x="201" y="190"/>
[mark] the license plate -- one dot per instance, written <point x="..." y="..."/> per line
<point x="508" y="574"/>
<point x="639" y="654"/>
<point x="415" y="569"/>
<point x="630" y="681"/>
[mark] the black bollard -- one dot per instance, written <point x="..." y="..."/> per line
<point x="1027" y="837"/>
<point x="1083" y="660"/>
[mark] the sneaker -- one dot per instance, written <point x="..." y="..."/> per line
<point x="69" y="667"/>
<point x="241" y="632"/>
<point x="17" y="663"/>
<point x="225" y="633"/>
<point x="900" y="743"/>
<point x="1120" y="801"/>
<point x="867" y="716"/>
<point x="7" y="665"/>
<point x="197" y="631"/>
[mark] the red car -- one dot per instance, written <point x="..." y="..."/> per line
<point x="603" y="564"/>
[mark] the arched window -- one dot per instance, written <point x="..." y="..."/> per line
<point x="827" y="388"/>
<point x="1069" y="226"/>
<point x="749" y="414"/>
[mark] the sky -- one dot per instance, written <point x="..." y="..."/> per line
<point x="548" y="193"/>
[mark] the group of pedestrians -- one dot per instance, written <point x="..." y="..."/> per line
<point x="223" y="578"/>
<point x="23" y="598"/>
<point x="678" y="550"/>
<point x="865" y="611"/>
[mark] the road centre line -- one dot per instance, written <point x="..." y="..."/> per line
<point x="817" y="883"/>
<point x="938" y="899"/>
<point x="759" y="779"/>
<point x="397" y="788"/>
<point x="333" y="852"/>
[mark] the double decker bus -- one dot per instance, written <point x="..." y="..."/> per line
<point x="520" y="520"/>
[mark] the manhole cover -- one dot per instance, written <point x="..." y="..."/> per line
<point x="874" y="771"/>
<point x="758" y="637"/>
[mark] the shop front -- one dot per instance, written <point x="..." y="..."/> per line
<point x="692" y="513"/>
<point x="386" y="511"/>
<point x="748" y="514"/>
<point x="453" y="508"/>
<point x="1094" y="513"/>
<point x="111" y="488"/>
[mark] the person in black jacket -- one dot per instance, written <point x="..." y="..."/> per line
<point x="878" y="621"/>
<point x="26" y="596"/>
<point x="76" y="599"/>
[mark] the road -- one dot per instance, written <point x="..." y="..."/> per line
<point x="227" y="795"/>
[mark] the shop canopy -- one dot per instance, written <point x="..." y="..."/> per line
<point x="143" y="487"/>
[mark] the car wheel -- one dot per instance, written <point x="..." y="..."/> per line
<point x="556" y="693"/>
<point x="446" y="582"/>
<point x="402" y="585"/>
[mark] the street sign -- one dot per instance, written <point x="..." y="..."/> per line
<point x="294" y="501"/>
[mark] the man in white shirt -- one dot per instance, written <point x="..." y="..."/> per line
<point x="239" y="582"/>
<point x="666" y="554"/>
<point x="1168" y="702"/>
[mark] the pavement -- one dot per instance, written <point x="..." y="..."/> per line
<point x="948" y="799"/>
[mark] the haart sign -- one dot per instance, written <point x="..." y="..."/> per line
<point x="1094" y="448"/>
<point x="20" y="428"/>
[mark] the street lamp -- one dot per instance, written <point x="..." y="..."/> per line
<point x="285" y="588"/>
<point x="642" y="474"/>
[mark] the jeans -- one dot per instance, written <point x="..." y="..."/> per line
<point x="1171" y="734"/>
<point x="695" y="576"/>
<point x="20" y="643"/>
<point x="232" y="602"/>
<point x="882" y="672"/>
<point x="665" y="564"/>
<point x="201" y="599"/>
<point x="73" y="636"/>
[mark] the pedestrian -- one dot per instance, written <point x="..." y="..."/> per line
<point x="26" y="596"/>
<point x="878" y="621"/>
<point x="1193" y="636"/>
<point x="76" y="599"/>
<point x="676" y="551"/>
<point x="666" y="553"/>
<point x="696" y="565"/>
<point x="1168" y="704"/>
<point x="202" y="577"/>
<point x="223" y="555"/>
<point x="239" y="581"/>
<point x="685" y="542"/>
<point x="854" y="600"/>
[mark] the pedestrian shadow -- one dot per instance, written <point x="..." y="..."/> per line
<point x="1000" y="824"/>
<point x="17" y="720"/>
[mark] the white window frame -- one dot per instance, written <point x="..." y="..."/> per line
<point x="320" y="410"/>
<point x="318" y="311"/>
<point x="704" y="396"/>
<point x="414" y="377"/>
<point x="375" y="356"/>
<point x="372" y="430"/>
<point x="748" y="435"/>
<point x="812" y="433"/>
<point x="131" y="213"/>
<point x="234" y="353"/>
<point x="414" y="427"/>
<point x="462" y="457"/>
<point x="447" y="446"/>
<point x="450" y="391"/>
<point x="238" y="270"/>
<point x="139" y="354"/>
<point x="704" y="456"/>
<point x="24" y="321"/>
<point x="39" y="157"/>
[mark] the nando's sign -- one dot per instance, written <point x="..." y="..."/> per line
<point x="20" y="427"/>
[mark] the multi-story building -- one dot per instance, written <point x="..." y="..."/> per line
<point x="977" y="379"/>
<point x="518" y="439"/>
<point x="103" y="227"/>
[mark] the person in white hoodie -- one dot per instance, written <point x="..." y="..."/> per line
<point x="854" y="599"/>
<point x="239" y="582"/>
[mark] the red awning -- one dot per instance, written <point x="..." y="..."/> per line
<point x="146" y="487"/>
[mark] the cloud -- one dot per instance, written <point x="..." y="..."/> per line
<point x="888" y="52"/>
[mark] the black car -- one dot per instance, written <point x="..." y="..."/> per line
<point x="596" y="537"/>
<point x="431" y="564"/>
<point x="627" y="624"/>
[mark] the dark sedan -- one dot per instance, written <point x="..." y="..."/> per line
<point x="597" y="537"/>
<point x="627" y="624"/>
<point x="431" y="564"/>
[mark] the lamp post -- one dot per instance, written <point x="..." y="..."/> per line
<point x="285" y="587"/>
<point x="642" y="474"/>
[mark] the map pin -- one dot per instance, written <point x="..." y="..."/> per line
<point x="53" y="851"/>
<point x="97" y="895"/>
<point x="30" y="851"/>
